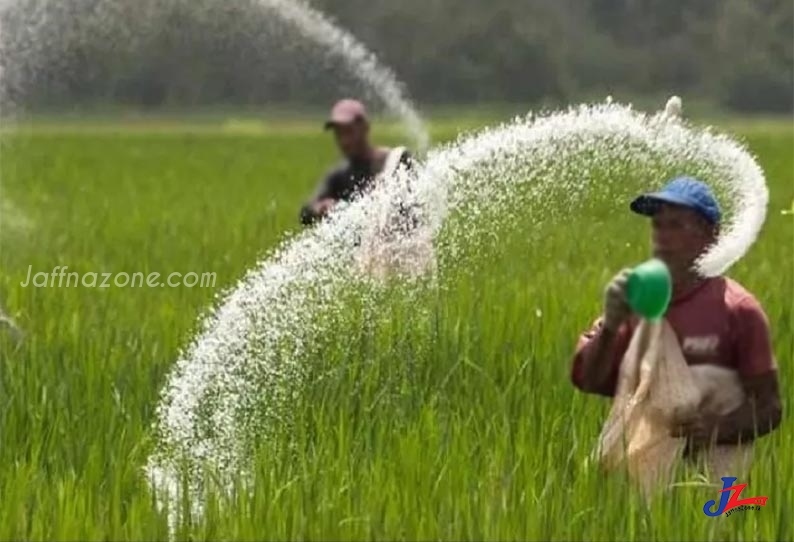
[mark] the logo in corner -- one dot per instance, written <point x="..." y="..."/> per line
<point x="729" y="500"/>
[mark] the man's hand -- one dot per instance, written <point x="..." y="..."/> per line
<point x="323" y="207"/>
<point x="699" y="431"/>
<point x="616" y="307"/>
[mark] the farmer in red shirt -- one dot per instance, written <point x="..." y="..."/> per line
<point x="715" y="319"/>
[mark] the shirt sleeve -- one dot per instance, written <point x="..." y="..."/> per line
<point x="586" y="348"/>
<point x="328" y="187"/>
<point x="753" y="344"/>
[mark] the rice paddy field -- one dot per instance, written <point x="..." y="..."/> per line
<point x="451" y="419"/>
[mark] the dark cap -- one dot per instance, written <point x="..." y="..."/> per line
<point x="346" y="111"/>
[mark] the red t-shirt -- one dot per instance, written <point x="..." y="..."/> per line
<point x="717" y="322"/>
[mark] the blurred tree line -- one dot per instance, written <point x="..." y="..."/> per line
<point x="738" y="54"/>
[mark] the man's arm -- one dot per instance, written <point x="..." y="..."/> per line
<point x="597" y="359"/>
<point x="600" y="350"/>
<point x="762" y="410"/>
<point x="760" y="414"/>
<point x="319" y="204"/>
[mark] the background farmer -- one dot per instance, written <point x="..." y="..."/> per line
<point x="362" y="161"/>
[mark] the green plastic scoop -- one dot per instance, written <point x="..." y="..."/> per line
<point x="649" y="289"/>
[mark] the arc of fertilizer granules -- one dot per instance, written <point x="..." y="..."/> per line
<point x="248" y="353"/>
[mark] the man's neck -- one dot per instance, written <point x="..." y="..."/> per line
<point x="366" y="156"/>
<point x="684" y="281"/>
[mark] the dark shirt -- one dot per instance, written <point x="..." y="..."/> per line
<point x="346" y="182"/>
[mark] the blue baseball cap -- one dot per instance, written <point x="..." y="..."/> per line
<point x="684" y="191"/>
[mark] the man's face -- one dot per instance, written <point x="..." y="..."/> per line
<point x="352" y="139"/>
<point x="680" y="236"/>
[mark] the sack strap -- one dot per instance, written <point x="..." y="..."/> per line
<point x="392" y="161"/>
